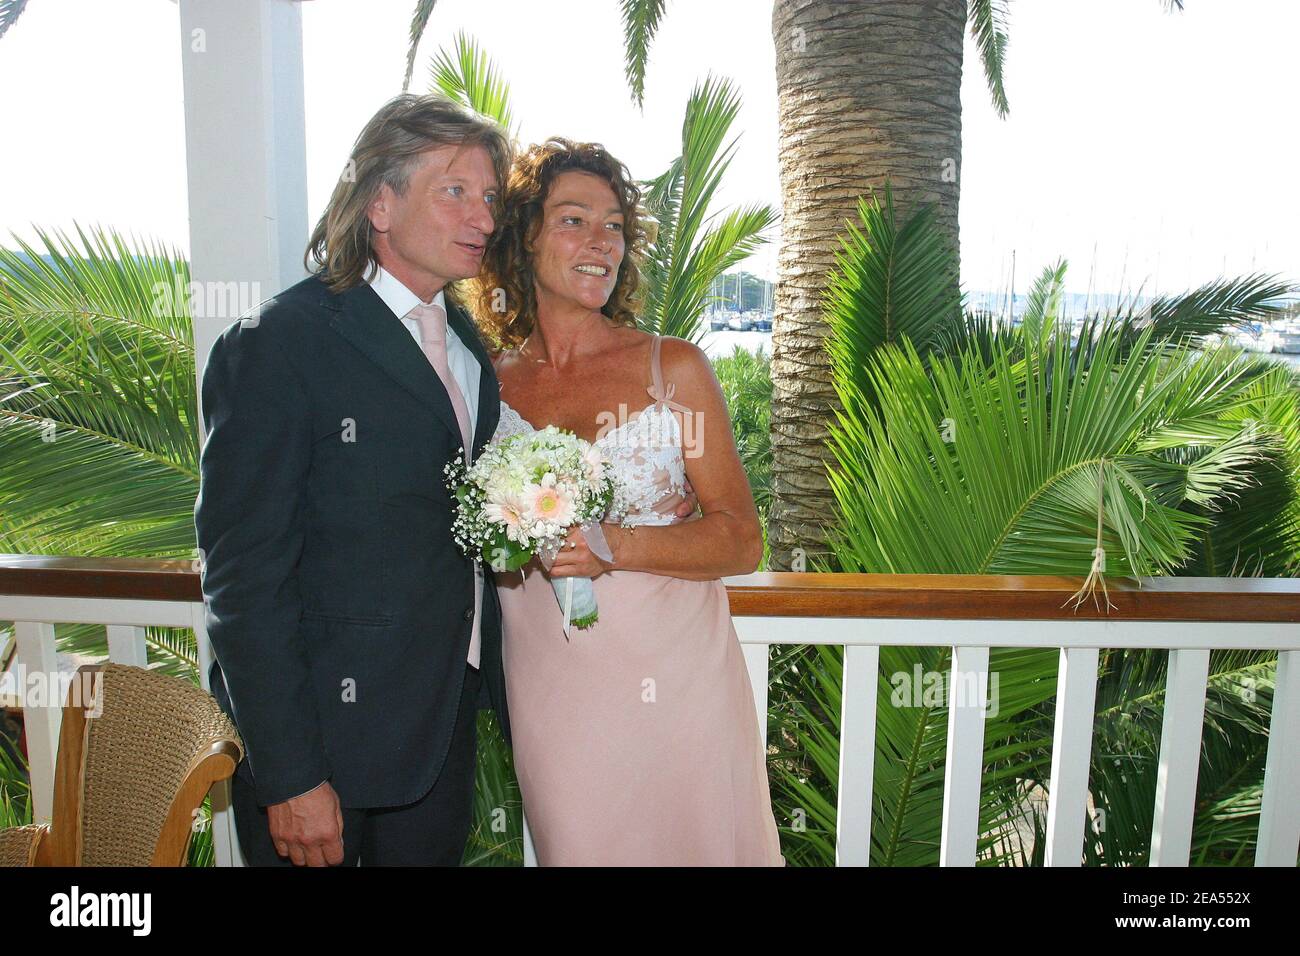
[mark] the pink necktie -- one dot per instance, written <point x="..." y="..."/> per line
<point x="432" y="320"/>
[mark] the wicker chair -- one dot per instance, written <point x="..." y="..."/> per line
<point x="128" y="781"/>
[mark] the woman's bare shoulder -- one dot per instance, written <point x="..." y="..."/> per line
<point x="684" y="360"/>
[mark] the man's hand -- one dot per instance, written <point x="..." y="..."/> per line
<point x="688" y="505"/>
<point x="308" y="829"/>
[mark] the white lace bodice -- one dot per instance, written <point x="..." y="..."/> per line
<point x="645" y="454"/>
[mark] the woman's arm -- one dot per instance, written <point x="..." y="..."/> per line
<point x="727" y="538"/>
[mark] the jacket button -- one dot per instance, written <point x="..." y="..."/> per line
<point x="469" y="614"/>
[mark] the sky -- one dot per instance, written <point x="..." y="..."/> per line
<point x="1154" y="151"/>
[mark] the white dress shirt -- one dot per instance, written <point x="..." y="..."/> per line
<point x="464" y="367"/>
<point x="460" y="360"/>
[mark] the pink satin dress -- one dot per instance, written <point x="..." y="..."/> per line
<point x="636" y="742"/>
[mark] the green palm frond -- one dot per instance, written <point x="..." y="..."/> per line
<point x="1213" y="308"/>
<point x="139" y="283"/>
<point x="467" y="75"/>
<point x="97" y="396"/>
<point x="496" y="838"/>
<point x="640" y="21"/>
<point x="419" y="22"/>
<point x="890" y="283"/>
<point x="693" y="246"/>
<point x="746" y="382"/>
<point x="664" y="192"/>
<point x="1240" y="543"/>
<point x="980" y="332"/>
<point x="988" y="27"/>
<point x="1043" y="308"/>
<point x="10" y="11"/>
<point x="976" y="468"/>
<point x="724" y="244"/>
<point x="15" y="783"/>
<point x="662" y="199"/>
<point x="711" y="111"/>
<point x="805" y="696"/>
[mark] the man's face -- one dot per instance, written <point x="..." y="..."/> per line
<point x="437" y="231"/>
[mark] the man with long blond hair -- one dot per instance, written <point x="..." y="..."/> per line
<point x="354" y="641"/>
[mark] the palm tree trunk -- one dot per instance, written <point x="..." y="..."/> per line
<point x="866" y="91"/>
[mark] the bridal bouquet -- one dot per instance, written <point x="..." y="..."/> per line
<point x="520" y="498"/>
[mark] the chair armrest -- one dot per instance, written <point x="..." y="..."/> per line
<point x="19" y="845"/>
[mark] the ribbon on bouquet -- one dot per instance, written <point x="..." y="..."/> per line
<point x="595" y="536"/>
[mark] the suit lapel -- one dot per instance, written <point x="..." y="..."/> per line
<point x="380" y="336"/>
<point x="369" y="326"/>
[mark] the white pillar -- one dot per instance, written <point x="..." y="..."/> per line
<point x="245" y="156"/>
<point x="246" y="168"/>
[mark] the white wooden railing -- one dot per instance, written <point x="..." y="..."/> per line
<point x="971" y="614"/>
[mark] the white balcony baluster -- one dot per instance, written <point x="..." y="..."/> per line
<point x="37" y="659"/>
<point x="1279" y="817"/>
<point x="857" y="755"/>
<point x="756" y="659"/>
<point x="1180" y="757"/>
<point x="967" y="698"/>
<point x="126" y="645"/>
<point x="1067" y="805"/>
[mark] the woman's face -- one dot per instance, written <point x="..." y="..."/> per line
<point x="579" y="244"/>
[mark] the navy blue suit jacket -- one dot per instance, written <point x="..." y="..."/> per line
<point x="338" y="605"/>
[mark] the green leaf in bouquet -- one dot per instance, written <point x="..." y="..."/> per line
<point x="502" y="554"/>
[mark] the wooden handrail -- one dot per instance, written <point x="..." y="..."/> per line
<point x="136" y="579"/>
<point x="779" y="594"/>
<point x="991" y="597"/>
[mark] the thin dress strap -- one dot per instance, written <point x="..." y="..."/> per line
<point x="657" y="390"/>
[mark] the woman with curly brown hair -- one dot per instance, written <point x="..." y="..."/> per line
<point x="636" y="742"/>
